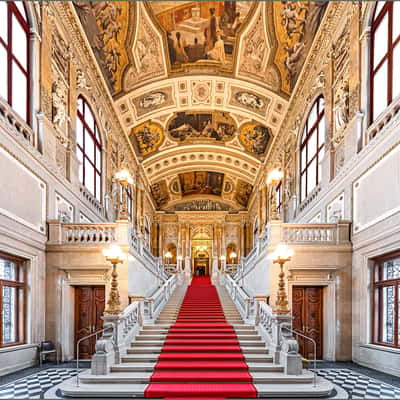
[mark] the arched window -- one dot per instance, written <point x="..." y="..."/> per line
<point x="385" y="56"/>
<point x="14" y="57"/>
<point x="312" y="149"/>
<point x="278" y="194"/>
<point x="88" y="149"/>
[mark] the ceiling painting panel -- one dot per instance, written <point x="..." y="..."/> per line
<point x="189" y="127"/>
<point x="153" y="100"/>
<point x="106" y="27"/>
<point x="296" y="23"/>
<point x="201" y="182"/>
<point x="160" y="193"/>
<point x="243" y="193"/>
<point x="201" y="32"/>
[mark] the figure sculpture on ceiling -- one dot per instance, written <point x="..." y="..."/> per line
<point x="59" y="104"/>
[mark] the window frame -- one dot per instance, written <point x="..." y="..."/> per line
<point x="13" y="11"/>
<point x="376" y="307"/>
<point x="377" y="19"/>
<point x="22" y="285"/>
<point x="278" y="196"/>
<point x="97" y="145"/>
<point x="307" y="134"/>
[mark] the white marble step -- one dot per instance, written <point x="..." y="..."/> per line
<point x="117" y="377"/>
<point x="134" y="367"/>
<point x="144" y="377"/>
<point x="254" y="357"/>
<point x="145" y="350"/>
<point x="141" y="337"/>
<point x="156" y="343"/>
<point x="108" y="390"/>
<point x="263" y="367"/>
<point x="305" y="390"/>
<point x="134" y="358"/>
<point x="279" y="377"/>
<point x="69" y="388"/>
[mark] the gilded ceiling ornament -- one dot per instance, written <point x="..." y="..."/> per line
<point x="147" y="137"/>
<point x="249" y="100"/>
<point x="254" y="138"/>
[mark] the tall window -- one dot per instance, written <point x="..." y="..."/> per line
<point x="312" y="149"/>
<point x="386" y="301"/>
<point x="88" y="149"/>
<point x="278" y="194"/>
<point x="14" y="56"/>
<point x="12" y="301"/>
<point x="385" y="56"/>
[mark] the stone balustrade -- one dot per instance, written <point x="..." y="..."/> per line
<point x="88" y="233"/>
<point x="244" y="302"/>
<point x="315" y="233"/>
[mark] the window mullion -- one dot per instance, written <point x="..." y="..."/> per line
<point x="390" y="56"/>
<point x="1" y="319"/>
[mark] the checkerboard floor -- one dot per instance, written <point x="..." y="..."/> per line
<point x="34" y="385"/>
<point x="360" y="386"/>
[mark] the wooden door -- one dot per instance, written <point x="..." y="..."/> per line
<point x="89" y="307"/>
<point x="308" y="318"/>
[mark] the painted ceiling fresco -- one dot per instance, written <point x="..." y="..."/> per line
<point x="106" y="25"/>
<point x="126" y="38"/>
<point x="187" y="127"/>
<point x="296" y="23"/>
<point x="160" y="193"/>
<point x="201" y="182"/>
<point x="201" y="31"/>
<point x="199" y="185"/>
<point x="201" y="205"/>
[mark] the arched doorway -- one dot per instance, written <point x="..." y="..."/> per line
<point x="201" y="251"/>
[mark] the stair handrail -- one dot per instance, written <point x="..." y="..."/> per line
<point x="284" y="326"/>
<point x="107" y="328"/>
<point x="240" y="297"/>
<point x="161" y="295"/>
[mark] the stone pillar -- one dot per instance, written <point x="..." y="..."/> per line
<point x="242" y="239"/>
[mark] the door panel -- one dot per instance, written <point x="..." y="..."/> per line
<point x="313" y="320"/>
<point x="89" y="307"/>
<point x="308" y="318"/>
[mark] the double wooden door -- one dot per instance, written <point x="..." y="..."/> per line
<point x="308" y="318"/>
<point x="89" y="307"/>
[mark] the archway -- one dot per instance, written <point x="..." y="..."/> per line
<point x="201" y="252"/>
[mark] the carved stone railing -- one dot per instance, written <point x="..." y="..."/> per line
<point x="15" y="122"/>
<point x="315" y="233"/>
<point x="154" y="304"/>
<point x="282" y="345"/>
<point x="88" y="233"/>
<point x="293" y="234"/>
<point x="91" y="199"/>
<point x="111" y="347"/>
<point x="244" y="303"/>
<point x="391" y="113"/>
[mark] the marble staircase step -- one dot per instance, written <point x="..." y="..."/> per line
<point x="134" y="367"/>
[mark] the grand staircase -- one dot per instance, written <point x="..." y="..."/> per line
<point x="199" y="347"/>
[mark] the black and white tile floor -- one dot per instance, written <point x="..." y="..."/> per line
<point x="356" y="384"/>
<point x="360" y="386"/>
<point x="34" y="385"/>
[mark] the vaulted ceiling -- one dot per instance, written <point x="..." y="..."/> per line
<point x="201" y="87"/>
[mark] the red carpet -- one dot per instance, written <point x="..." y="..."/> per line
<point x="201" y="357"/>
